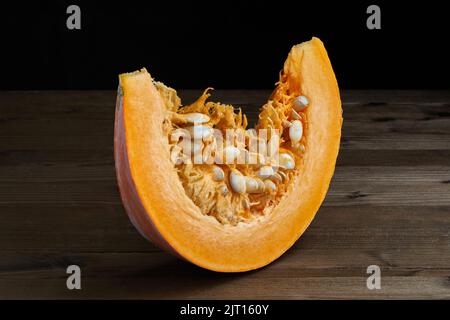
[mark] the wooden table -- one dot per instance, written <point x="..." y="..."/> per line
<point x="388" y="205"/>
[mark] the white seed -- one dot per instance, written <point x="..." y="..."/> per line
<point x="276" y="177"/>
<point x="237" y="182"/>
<point x="300" y="147"/>
<point x="252" y="185"/>
<point x="270" y="185"/>
<point x="265" y="172"/>
<point x="196" y="117"/>
<point x="300" y="103"/>
<point x="286" y="161"/>
<point x="282" y="175"/>
<point x="230" y="154"/>
<point x="223" y="190"/>
<point x="296" y="131"/>
<point x="200" y="132"/>
<point x="218" y="174"/>
<point x="261" y="185"/>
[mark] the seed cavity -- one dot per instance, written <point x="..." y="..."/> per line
<point x="239" y="178"/>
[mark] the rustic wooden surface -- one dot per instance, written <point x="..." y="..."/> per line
<point x="388" y="204"/>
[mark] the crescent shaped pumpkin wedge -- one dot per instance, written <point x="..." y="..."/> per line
<point x="198" y="183"/>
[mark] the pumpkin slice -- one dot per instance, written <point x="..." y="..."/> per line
<point x="230" y="215"/>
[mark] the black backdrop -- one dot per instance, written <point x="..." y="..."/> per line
<point x="225" y="44"/>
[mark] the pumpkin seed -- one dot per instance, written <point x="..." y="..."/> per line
<point x="196" y="117"/>
<point x="251" y="185"/>
<point x="296" y="131"/>
<point x="300" y="103"/>
<point x="286" y="161"/>
<point x="282" y="175"/>
<point x="223" y="190"/>
<point x="200" y="132"/>
<point x="265" y="172"/>
<point x="218" y="174"/>
<point x="301" y="147"/>
<point x="276" y="177"/>
<point x="231" y="153"/>
<point x="261" y="185"/>
<point x="270" y="185"/>
<point x="254" y="185"/>
<point x="237" y="182"/>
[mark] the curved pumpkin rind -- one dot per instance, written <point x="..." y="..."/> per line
<point x="155" y="199"/>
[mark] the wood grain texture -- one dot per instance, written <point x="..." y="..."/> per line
<point x="388" y="204"/>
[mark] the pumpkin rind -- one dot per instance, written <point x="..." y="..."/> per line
<point x="154" y="197"/>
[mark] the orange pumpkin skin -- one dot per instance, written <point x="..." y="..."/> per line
<point x="154" y="197"/>
<point x="130" y="197"/>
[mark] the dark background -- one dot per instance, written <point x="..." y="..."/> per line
<point x="225" y="44"/>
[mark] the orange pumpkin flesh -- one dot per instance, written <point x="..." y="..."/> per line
<point x="156" y="200"/>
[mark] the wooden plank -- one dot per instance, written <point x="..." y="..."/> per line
<point x="158" y="276"/>
<point x="367" y="185"/>
<point x="388" y="204"/>
<point x="106" y="228"/>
